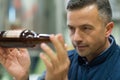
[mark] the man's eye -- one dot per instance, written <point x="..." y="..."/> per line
<point x="86" y="28"/>
<point x="71" y="28"/>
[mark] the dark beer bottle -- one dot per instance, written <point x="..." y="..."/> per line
<point x="21" y="38"/>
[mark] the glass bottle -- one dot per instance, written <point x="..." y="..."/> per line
<point x="21" y="38"/>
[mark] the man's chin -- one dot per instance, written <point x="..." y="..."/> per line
<point x="82" y="54"/>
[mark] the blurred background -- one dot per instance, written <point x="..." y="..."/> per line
<point x="42" y="16"/>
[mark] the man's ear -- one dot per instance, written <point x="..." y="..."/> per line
<point x="109" y="28"/>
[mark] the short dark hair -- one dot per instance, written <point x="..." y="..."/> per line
<point x="103" y="7"/>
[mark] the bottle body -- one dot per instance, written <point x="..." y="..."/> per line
<point x="21" y="38"/>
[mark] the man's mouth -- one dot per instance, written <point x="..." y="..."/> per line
<point x="81" y="47"/>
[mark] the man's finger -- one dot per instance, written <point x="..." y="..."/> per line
<point x="49" y="52"/>
<point x="46" y="61"/>
<point x="59" y="46"/>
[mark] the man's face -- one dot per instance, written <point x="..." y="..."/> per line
<point x="87" y="31"/>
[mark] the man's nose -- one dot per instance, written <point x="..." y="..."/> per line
<point x="78" y="36"/>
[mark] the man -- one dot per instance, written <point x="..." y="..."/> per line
<point x="96" y="55"/>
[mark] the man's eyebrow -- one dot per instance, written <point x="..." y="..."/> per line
<point x="69" y="26"/>
<point x="78" y="25"/>
<point x="86" y="25"/>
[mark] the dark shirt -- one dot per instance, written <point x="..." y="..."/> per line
<point x="104" y="67"/>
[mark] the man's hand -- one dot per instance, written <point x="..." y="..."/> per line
<point x="16" y="62"/>
<point x="58" y="64"/>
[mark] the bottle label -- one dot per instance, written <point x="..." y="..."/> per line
<point x="12" y="33"/>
